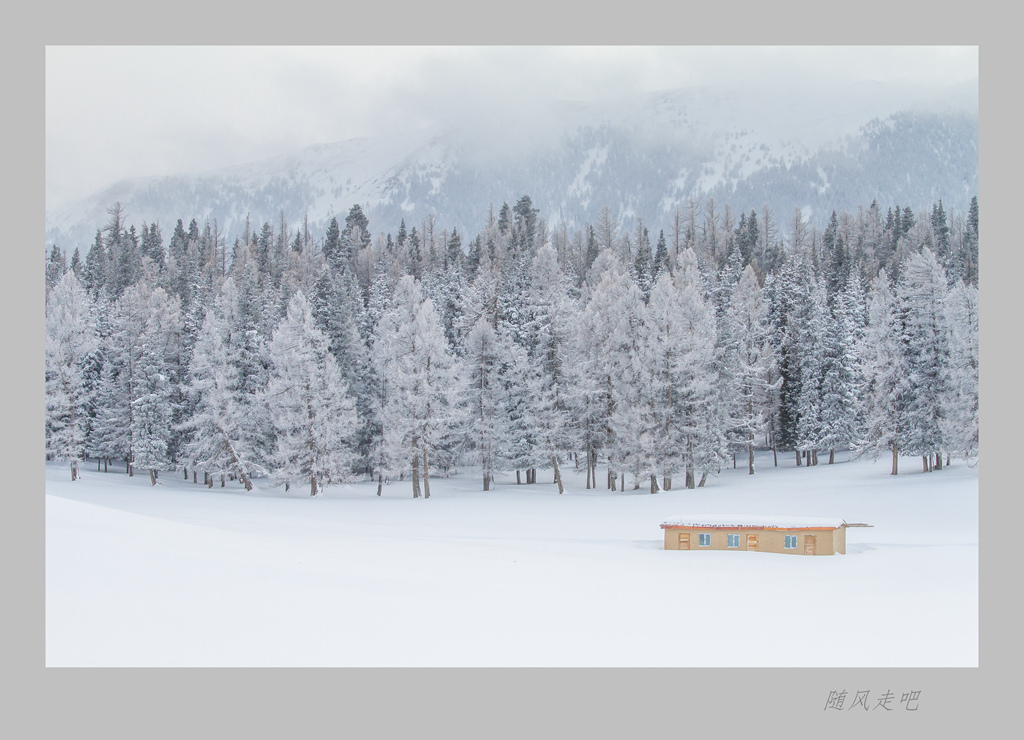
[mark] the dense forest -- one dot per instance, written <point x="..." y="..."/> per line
<point x="314" y="359"/>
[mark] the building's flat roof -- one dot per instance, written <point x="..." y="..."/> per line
<point x="749" y="521"/>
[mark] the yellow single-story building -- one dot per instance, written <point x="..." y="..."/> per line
<point x="785" y="535"/>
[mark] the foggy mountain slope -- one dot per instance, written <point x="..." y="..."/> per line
<point x="643" y="157"/>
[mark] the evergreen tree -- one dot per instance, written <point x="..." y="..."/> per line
<point x="921" y="297"/>
<point x="487" y="359"/>
<point x="70" y="343"/>
<point x="56" y="266"/>
<point x="222" y="423"/>
<point x="885" y="392"/>
<point x="753" y="377"/>
<point x="313" y="414"/>
<point x="332" y="245"/>
<point x="95" y="267"/>
<point x="960" y="403"/>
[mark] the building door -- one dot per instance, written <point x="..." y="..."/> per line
<point x="684" y="540"/>
<point x="751" y="541"/>
<point x="809" y="542"/>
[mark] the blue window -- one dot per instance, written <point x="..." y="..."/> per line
<point x="734" y="540"/>
<point x="704" y="540"/>
<point x="790" y="541"/>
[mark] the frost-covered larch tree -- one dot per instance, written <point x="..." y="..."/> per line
<point x="551" y="316"/>
<point x="145" y="328"/>
<point x="960" y="412"/>
<point x="223" y="439"/>
<point x="487" y="357"/>
<point x="421" y="384"/>
<point x="754" y="371"/>
<point x="313" y="413"/>
<point x="886" y="387"/>
<point x="70" y="341"/>
<point x="811" y="325"/>
<point x="841" y="371"/>
<point x="702" y="416"/>
<point x="662" y="349"/>
<point x="921" y="296"/>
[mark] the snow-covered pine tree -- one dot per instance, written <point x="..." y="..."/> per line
<point x="811" y="326"/>
<point x="223" y="440"/>
<point x="753" y="375"/>
<point x="551" y="316"/>
<point x="422" y="385"/>
<point x="487" y="359"/>
<point x="313" y="413"/>
<point x="392" y="338"/>
<point x="842" y="374"/>
<point x="921" y="296"/>
<point x="885" y="392"/>
<point x="662" y="348"/>
<point x="70" y="343"/>
<point x="143" y="337"/>
<point x="702" y="415"/>
<point x="960" y="412"/>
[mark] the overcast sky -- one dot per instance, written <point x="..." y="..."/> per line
<point x="117" y="112"/>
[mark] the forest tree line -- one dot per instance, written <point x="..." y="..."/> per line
<point x="319" y="359"/>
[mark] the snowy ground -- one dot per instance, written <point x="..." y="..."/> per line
<point x="519" y="576"/>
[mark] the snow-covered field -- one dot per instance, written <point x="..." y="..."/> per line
<point x="519" y="576"/>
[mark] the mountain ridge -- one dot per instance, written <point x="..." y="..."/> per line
<point x="641" y="160"/>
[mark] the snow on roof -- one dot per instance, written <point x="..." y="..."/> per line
<point x="752" y="521"/>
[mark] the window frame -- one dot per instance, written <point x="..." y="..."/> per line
<point x="730" y="539"/>
<point x="787" y="546"/>
<point x="703" y="539"/>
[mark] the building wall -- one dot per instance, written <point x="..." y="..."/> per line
<point x="827" y="541"/>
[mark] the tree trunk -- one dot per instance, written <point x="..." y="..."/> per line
<point x="519" y="481"/>
<point x="734" y="461"/>
<point x="152" y="477"/>
<point x="74" y="471"/>
<point x="611" y="481"/>
<point x="690" y="483"/>
<point x="831" y="456"/>
<point x="814" y="457"/>
<point x="415" y="473"/>
<point x="558" y="475"/>
<point x="703" y="478"/>
<point x="798" y="458"/>
<point x="222" y="481"/>
<point x="925" y="459"/>
<point x="209" y="480"/>
<point x="186" y="474"/>
<point x="98" y="461"/>
<point x="426" y="475"/>
<point x="128" y="468"/>
<point x="287" y="486"/>
<point x="312" y="485"/>
<point x="622" y="482"/>
<point x="895" y="453"/>
<point x="195" y="477"/>
<point x="245" y="480"/>
<point x="750" y="457"/>
<point x="938" y="461"/>
<point x="380" y="482"/>
<point x="666" y="482"/>
<point x="775" y="454"/>
<point x="487" y="481"/>
<point x="654" y="484"/>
